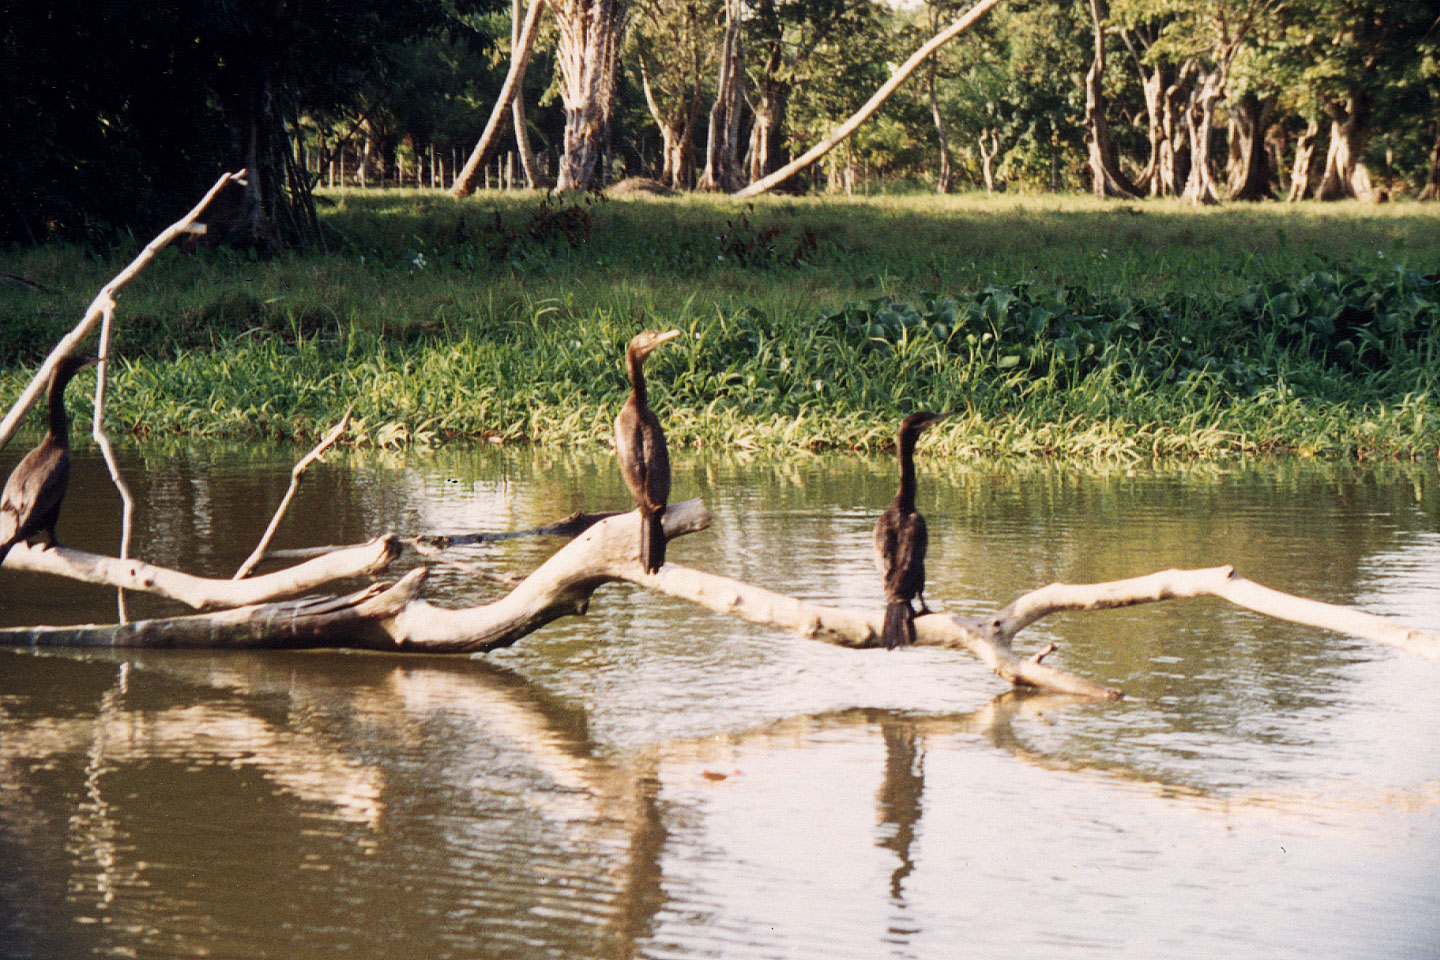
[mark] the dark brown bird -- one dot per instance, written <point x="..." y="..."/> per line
<point x="640" y="448"/>
<point x="30" y="503"/>
<point x="901" y="541"/>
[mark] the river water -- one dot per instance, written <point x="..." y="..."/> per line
<point x="652" y="780"/>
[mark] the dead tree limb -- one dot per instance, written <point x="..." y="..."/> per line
<point x="606" y="552"/>
<point x="291" y="624"/>
<point x="103" y="300"/>
<point x="201" y="593"/>
<point x="296" y="472"/>
<point x="102" y="440"/>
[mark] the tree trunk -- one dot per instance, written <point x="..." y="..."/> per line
<point x="901" y="74"/>
<point x="1276" y="140"/>
<point x="942" y="178"/>
<point x="988" y="152"/>
<point x="677" y="150"/>
<point x="1250" y="171"/>
<point x="588" y="51"/>
<point x="1199" y="120"/>
<point x="534" y="174"/>
<point x="1174" y="163"/>
<point x="1432" y="186"/>
<point x="469" y="176"/>
<point x="1106" y="177"/>
<point x="722" y="140"/>
<point x="1153" y="86"/>
<point x="1300" y="176"/>
<point x="1345" y="176"/>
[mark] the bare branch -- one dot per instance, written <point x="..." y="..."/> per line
<point x="202" y="593"/>
<point x="97" y="431"/>
<point x="259" y="552"/>
<point x="104" y="300"/>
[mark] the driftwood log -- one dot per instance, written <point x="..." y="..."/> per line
<point x="605" y="552"/>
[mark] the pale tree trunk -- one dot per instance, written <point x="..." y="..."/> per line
<point x="988" y="151"/>
<point x="1276" y="140"/>
<point x="1153" y="86"/>
<point x="1200" y="119"/>
<point x="678" y="153"/>
<point x="722" y="140"/>
<point x="945" y="175"/>
<point x="1345" y="176"/>
<point x="1250" y="169"/>
<point x="588" y="50"/>
<point x="469" y="176"/>
<point x="1304" y="160"/>
<point x="942" y="179"/>
<point x="1174" y="161"/>
<point x="1106" y="177"/>
<point x="901" y="74"/>
<point x="535" y="177"/>
<point x="1432" y="186"/>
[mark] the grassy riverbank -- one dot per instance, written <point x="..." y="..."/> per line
<point x="1058" y="326"/>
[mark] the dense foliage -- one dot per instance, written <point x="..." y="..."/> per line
<point x="1059" y="327"/>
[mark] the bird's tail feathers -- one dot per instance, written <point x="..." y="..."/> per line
<point x="899" y="630"/>
<point x="652" y="540"/>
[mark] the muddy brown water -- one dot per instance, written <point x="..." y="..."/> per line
<point x="651" y="780"/>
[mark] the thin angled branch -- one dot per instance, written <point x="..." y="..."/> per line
<point x="299" y="469"/>
<point x="104" y="300"/>
<point x="97" y="431"/>
<point x="901" y="74"/>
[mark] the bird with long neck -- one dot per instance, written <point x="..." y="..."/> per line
<point x="901" y="541"/>
<point x="30" y="503"/>
<point x="640" y="449"/>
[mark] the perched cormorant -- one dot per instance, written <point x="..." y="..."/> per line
<point x="900" y="541"/>
<point x="30" y="503"/>
<point x="640" y="448"/>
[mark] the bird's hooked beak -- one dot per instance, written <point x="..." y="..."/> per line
<point x="664" y="337"/>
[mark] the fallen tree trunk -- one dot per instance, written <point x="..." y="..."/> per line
<point x="606" y="552"/>
<point x="202" y="593"/>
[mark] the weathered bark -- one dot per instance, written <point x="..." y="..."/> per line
<point x="355" y="621"/>
<point x="988" y="151"/>
<point x="202" y="593"/>
<point x="1300" y="176"/>
<point x="722" y="138"/>
<point x="587" y="52"/>
<point x="1345" y="175"/>
<point x="469" y="176"/>
<point x="901" y="74"/>
<point x="1199" y="121"/>
<point x="1250" y="167"/>
<point x="1106" y="177"/>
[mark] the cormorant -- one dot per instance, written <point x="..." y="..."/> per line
<point x="31" y="501"/>
<point x="640" y="448"/>
<point x="901" y="540"/>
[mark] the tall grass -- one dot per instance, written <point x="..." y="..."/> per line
<point x="1058" y="327"/>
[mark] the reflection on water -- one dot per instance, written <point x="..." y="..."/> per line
<point x="653" y="781"/>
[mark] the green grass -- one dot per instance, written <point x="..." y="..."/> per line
<point x="1058" y="326"/>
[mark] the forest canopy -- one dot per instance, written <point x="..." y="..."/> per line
<point x="118" y="114"/>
